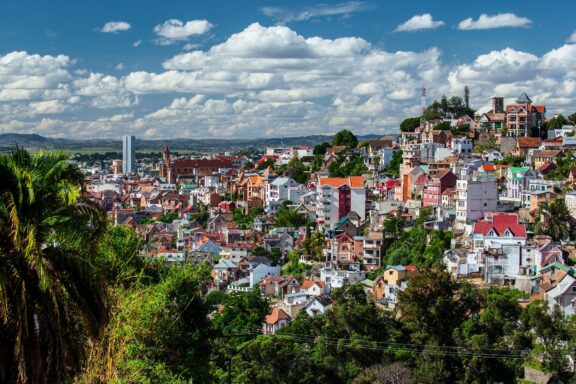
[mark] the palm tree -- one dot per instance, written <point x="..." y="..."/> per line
<point x="50" y="301"/>
<point x="554" y="220"/>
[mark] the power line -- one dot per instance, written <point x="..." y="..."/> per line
<point x="454" y="351"/>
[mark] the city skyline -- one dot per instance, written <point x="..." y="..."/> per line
<point x="270" y="70"/>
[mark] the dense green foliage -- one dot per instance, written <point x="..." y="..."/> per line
<point x="454" y="107"/>
<point x="159" y="332"/>
<point x="409" y="124"/>
<point x="246" y="221"/>
<point x="418" y="246"/>
<point x="564" y="164"/>
<point x="297" y="170"/>
<point x="265" y="164"/>
<point x="286" y="217"/>
<point x="344" y="167"/>
<point x="445" y="125"/>
<point x="556" y="122"/>
<point x="320" y="149"/>
<point x="394" y="167"/>
<point x="555" y="220"/>
<point x="345" y="138"/>
<point x="511" y="160"/>
<point x="51" y="298"/>
<point x="314" y="245"/>
<point x="294" y="267"/>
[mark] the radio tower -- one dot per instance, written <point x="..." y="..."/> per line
<point x="422" y="105"/>
<point x="423" y="99"/>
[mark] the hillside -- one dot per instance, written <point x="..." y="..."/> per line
<point x="33" y="141"/>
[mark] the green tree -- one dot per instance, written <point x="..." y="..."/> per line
<point x="290" y="218"/>
<point x="298" y="171"/>
<point x="409" y="124"/>
<point x="320" y="149"/>
<point x="265" y="164"/>
<point x="444" y="107"/>
<point x="240" y="312"/>
<point x="159" y="332"/>
<point x="294" y="267"/>
<point x="346" y="138"/>
<point x="393" y="225"/>
<point x="395" y="162"/>
<point x="51" y="299"/>
<point x="314" y="245"/>
<point x="353" y="166"/>
<point x="556" y="122"/>
<point x="317" y="163"/>
<point x="572" y="118"/>
<point x="118" y="259"/>
<point x="202" y="214"/>
<point x="549" y="327"/>
<point x="445" y="125"/>
<point x="554" y="220"/>
<point x="513" y="161"/>
<point x="430" y="308"/>
<point x="168" y="217"/>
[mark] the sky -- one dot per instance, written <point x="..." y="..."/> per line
<point x="255" y="68"/>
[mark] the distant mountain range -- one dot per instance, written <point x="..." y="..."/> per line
<point x="32" y="141"/>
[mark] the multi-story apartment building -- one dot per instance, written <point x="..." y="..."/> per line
<point x="475" y="195"/>
<point x="517" y="180"/>
<point x="282" y="189"/>
<point x="436" y="185"/>
<point x="461" y="145"/>
<point x="373" y="246"/>
<point x="337" y="196"/>
<point x="523" y="117"/>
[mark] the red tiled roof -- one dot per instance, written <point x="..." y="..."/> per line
<point x="547" y="167"/>
<point x="277" y="315"/>
<point x="336" y="182"/>
<point x="489" y="167"/>
<point x="500" y="222"/>
<point x="202" y="163"/>
<point x="308" y="283"/>
<point x="529" y="142"/>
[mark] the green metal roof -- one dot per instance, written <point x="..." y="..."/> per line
<point x="518" y="169"/>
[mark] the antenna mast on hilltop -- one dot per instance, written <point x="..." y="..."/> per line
<point x="423" y="99"/>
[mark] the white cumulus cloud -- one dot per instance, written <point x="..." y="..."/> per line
<point x="419" y="22"/>
<point x="572" y="38"/>
<point x="174" y="30"/>
<point x="115" y="26"/>
<point x="270" y="81"/>
<point x="501" y="20"/>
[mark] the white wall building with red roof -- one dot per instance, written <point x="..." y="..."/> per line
<point x="500" y="240"/>
<point x="337" y="196"/>
<point x="499" y="229"/>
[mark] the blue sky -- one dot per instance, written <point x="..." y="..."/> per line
<point x="270" y="68"/>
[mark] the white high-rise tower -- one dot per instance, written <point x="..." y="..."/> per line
<point x="128" y="154"/>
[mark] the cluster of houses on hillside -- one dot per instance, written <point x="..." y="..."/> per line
<point x="221" y="210"/>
